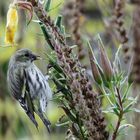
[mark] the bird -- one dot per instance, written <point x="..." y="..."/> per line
<point x="28" y="85"/>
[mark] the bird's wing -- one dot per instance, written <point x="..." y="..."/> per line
<point x="44" y="119"/>
<point x="42" y="115"/>
<point x="15" y="82"/>
<point x="37" y="87"/>
<point x="23" y="104"/>
<point x="26" y="101"/>
<point x="19" y="89"/>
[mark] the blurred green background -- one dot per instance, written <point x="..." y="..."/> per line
<point x="14" y="124"/>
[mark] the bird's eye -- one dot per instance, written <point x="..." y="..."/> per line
<point x="26" y="55"/>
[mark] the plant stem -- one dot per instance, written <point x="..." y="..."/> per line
<point x="119" y="98"/>
<point x="114" y="136"/>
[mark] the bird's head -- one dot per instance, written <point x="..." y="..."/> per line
<point x="24" y="57"/>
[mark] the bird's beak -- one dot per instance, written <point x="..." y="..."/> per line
<point x="38" y="57"/>
<point x="35" y="57"/>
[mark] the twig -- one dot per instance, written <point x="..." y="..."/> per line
<point x="119" y="97"/>
<point x="114" y="136"/>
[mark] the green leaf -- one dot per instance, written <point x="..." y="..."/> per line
<point x="111" y="127"/>
<point x="127" y="108"/>
<point x="64" y="31"/>
<point x="117" y="63"/>
<point x="106" y="95"/>
<point x="113" y="93"/>
<point x="136" y="110"/>
<point x="73" y="46"/>
<point x="36" y="21"/>
<point x="116" y="111"/>
<point x="124" y="126"/>
<point x="46" y="35"/>
<point x="125" y="95"/>
<point x="69" y="113"/>
<point x="58" y="22"/>
<point x="63" y="124"/>
<point x="47" y="5"/>
<point x="54" y="64"/>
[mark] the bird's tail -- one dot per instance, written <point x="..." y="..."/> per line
<point x="44" y="119"/>
<point x="29" y="114"/>
<point x="32" y="118"/>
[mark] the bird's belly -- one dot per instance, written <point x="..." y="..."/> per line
<point x="38" y="85"/>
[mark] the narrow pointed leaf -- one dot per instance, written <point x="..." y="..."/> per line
<point x="47" y="5"/>
<point x="58" y="22"/>
<point x="46" y="35"/>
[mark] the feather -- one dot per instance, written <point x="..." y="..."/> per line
<point x="15" y="82"/>
<point x="27" y="111"/>
<point x="26" y="102"/>
<point x="44" y="120"/>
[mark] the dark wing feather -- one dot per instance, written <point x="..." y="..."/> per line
<point x="15" y="82"/>
<point x="29" y="103"/>
<point x="27" y="111"/>
<point x="34" y="86"/>
<point x="44" y="120"/>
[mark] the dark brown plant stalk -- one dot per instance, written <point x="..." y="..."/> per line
<point x="72" y="12"/>
<point x="85" y="100"/>
<point x="119" y="21"/>
<point x="76" y="25"/>
<point x="119" y="25"/>
<point x="135" y="1"/>
<point x="136" y="47"/>
<point x="136" y="66"/>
